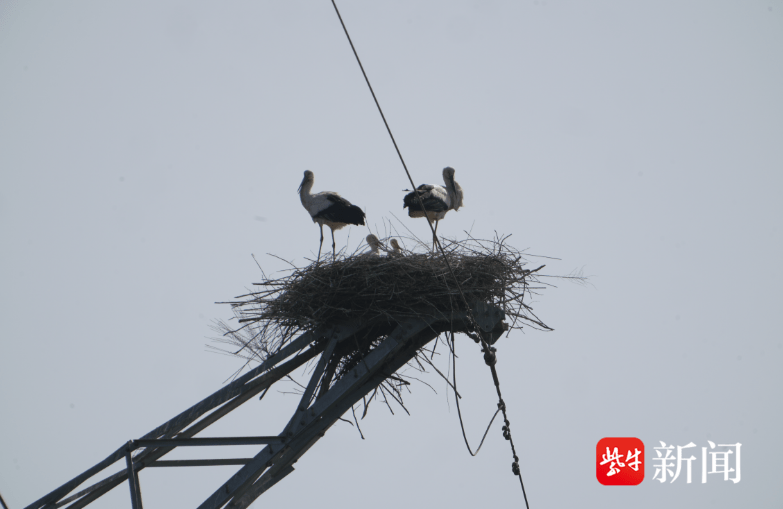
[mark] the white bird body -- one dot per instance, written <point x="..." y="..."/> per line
<point x="375" y="245"/>
<point x="328" y="208"/>
<point x="437" y="200"/>
<point x="396" y="249"/>
<point x="319" y="202"/>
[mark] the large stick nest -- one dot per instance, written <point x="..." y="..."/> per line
<point x="368" y="287"/>
<point x="379" y="291"/>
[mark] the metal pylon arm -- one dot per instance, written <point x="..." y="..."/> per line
<point x="230" y="396"/>
<point x="393" y="353"/>
<point x="314" y="415"/>
<point x="322" y="421"/>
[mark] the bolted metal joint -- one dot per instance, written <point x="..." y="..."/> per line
<point x="489" y="356"/>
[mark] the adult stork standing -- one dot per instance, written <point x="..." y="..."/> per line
<point x="328" y="208"/>
<point x="437" y="200"/>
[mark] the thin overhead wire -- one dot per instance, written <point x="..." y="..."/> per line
<point x="405" y="166"/>
<point x="452" y="346"/>
<point x="486" y="347"/>
<point x="388" y="129"/>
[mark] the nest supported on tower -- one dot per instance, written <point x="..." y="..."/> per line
<point x="375" y="293"/>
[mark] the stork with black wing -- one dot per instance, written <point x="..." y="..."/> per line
<point x="436" y="200"/>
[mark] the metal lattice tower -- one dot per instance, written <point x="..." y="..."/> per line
<point x="399" y="341"/>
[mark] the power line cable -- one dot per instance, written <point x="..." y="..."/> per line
<point x="405" y="166"/>
<point x="453" y="348"/>
<point x="489" y="352"/>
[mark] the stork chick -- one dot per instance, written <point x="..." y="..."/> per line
<point x="396" y="249"/>
<point x="375" y="245"/>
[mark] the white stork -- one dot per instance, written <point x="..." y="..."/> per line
<point x="396" y="249"/>
<point x="375" y="245"/>
<point x="328" y="208"/>
<point x="437" y="200"/>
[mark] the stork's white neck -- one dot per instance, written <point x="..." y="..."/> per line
<point x="450" y="190"/>
<point x="455" y="193"/>
<point x="304" y="193"/>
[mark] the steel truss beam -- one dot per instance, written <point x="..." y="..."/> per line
<point x="314" y="415"/>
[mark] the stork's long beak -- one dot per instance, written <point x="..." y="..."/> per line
<point x="299" y="191"/>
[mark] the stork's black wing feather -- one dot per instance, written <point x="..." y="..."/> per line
<point x="336" y="199"/>
<point x="342" y="211"/>
<point x="431" y="203"/>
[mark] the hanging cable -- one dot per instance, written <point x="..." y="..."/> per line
<point x="491" y="359"/>
<point x="489" y="352"/>
<point x="452" y="347"/>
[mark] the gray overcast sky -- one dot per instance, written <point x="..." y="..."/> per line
<point x="148" y="148"/>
